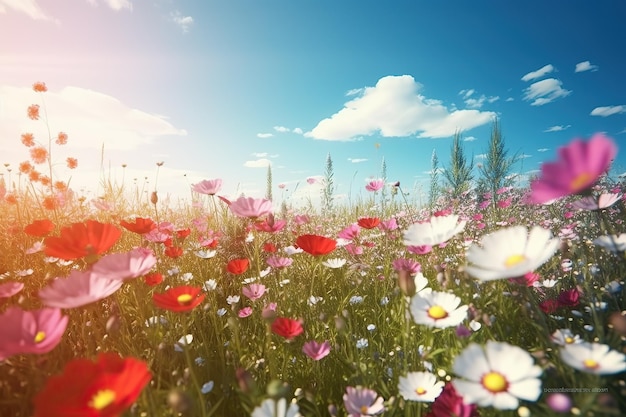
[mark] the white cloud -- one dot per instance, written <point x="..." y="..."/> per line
<point x="509" y="99"/>
<point x="545" y="91"/>
<point x="608" y="110"/>
<point x="524" y="156"/>
<point x="259" y="154"/>
<point x="585" y="66"/>
<point x="28" y="7"/>
<point x="264" y="135"/>
<point x="357" y="160"/>
<point x="394" y="108"/>
<point x="184" y="22"/>
<point x="281" y="129"/>
<point x="539" y="73"/>
<point x="466" y="93"/>
<point x="353" y="92"/>
<point x="481" y="156"/>
<point x="116" y="5"/>
<point x="297" y="130"/>
<point x="259" y="163"/>
<point x="477" y="103"/>
<point x="557" y="128"/>
<point x="543" y="149"/>
<point x="469" y="139"/>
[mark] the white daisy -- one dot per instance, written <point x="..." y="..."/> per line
<point x="497" y="375"/>
<point x="437" y="230"/>
<point x="510" y="253"/>
<point x="276" y="408"/>
<point x="334" y="263"/>
<point x="437" y="309"/>
<point x="564" y="337"/>
<point x="420" y="386"/>
<point x="593" y="358"/>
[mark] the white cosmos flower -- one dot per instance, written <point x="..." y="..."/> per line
<point x="437" y="309"/>
<point x="497" y="375"/>
<point x="420" y="386"/>
<point x="510" y="253"/>
<point x="593" y="358"/>
<point x="564" y="337"/>
<point x="437" y="230"/>
<point x="276" y="408"/>
<point x="334" y="263"/>
<point x="612" y="243"/>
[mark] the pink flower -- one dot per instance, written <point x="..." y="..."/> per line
<point x="579" y="166"/>
<point x="244" y="312"/>
<point x="270" y="226"/>
<point x="251" y="207"/>
<point x="269" y="311"/>
<point x="301" y="219"/>
<point x="209" y="187"/>
<point x="279" y="262"/>
<point x="419" y="250"/>
<point x="450" y="403"/>
<point x="604" y="201"/>
<point x="78" y="289"/>
<point x="350" y="232"/>
<point x="127" y="265"/>
<point x="388" y="225"/>
<point x="375" y="185"/>
<point x="311" y="180"/>
<point x="9" y="289"/>
<point x="361" y="402"/>
<point x="504" y="203"/>
<point x="253" y="291"/>
<point x="315" y="350"/>
<point x="37" y="331"/>
<point x="407" y="265"/>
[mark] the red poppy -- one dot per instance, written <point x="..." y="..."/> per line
<point x="179" y="299"/>
<point x="105" y="388"/>
<point x="269" y="247"/>
<point x="238" y="266"/>
<point x="174" y="251"/>
<point x="81" y="239"/>
<point x="39" y="228"/>
<point x="140" y="225"/>
<point x="183" y="233"/>
<point x="287" y="328"/>
<point x="316" y="245"/>
<point x="368" y="222"/>
<point x="153" y="279"/>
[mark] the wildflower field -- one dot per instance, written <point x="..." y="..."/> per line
<point x="501" y="302"/>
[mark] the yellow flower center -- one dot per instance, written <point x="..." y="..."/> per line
<point x="184" y="299"/>
<point x="420" y="391"/>
<point x="364" y="409"/>
<point x="40" y="336"/>
<point x="494" y="382"/>
<point x="102" y="399"/>
<point x="437" y="312"/>
<point x="569" y="340"/>
<point x="591" y="364"/>
<point x="581" y="181"/>
<point x="514" y="260"/>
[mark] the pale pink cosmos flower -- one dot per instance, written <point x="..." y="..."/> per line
<point x="315" y="350"/>
<point x="311" y="180"/>
<point x="361" y="402"/>
<point x="375" y="185"/>
<point x="388" y="225"/>
<point x="9" y="289"/>
<point x="251" y="207"/>
<point x="419" y="250"/>
<point x="407" y="265"/>
<point x="244" y="312"/>
<point x="301" y="219"/>
<point x="604" y="201"/>
<point x="78" y="289"/>
<point x="253" y="291"/>
<point x="279" y="262"/>
<point x="36" y="331"/>
<point x="579" y="166"/>
<point x="127" y="265"/>
<point x="350" y="232"/>
<point x="208" y="187"/>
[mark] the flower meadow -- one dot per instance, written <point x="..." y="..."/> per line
<point x="485" y="304"/>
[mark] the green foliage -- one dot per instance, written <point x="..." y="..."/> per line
<point x="268" y="189"/>
<point x="434" y="192"/>
<point x="496" y="168"/>
<point x="459" y="174"/>
<point x="328" y="191"/>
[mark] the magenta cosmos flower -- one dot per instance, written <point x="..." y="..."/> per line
<point x="251" y="207"/>
<point x="37" y="331"/>
<point x="78" y="289"/>
<point x="127" y="265"/>
<point x="9" y="289"/>
<point x="579" y="166"/>
<point x="209" y="187"/>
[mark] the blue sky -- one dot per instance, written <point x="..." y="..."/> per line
<point x="222" y="88"/>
